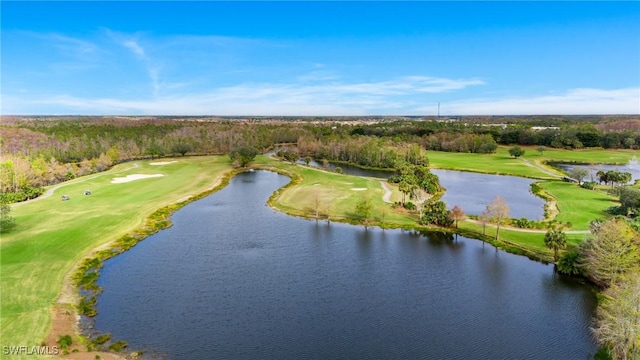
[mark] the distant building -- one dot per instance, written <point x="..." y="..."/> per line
<point x="538" y="128"/>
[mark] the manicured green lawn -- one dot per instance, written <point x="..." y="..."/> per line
<point x="587" y="156"/>
<point x="577" y="205"/>
<point x="52" y="235"/>
<point x="497" y="163"/>
<point x="533" y="241"/>
<point x="337" y="194"/>
<point x="502" y="163"/>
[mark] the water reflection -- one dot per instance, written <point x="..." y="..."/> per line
<point x="251" y="283"/>
<point x="632" y="167"/>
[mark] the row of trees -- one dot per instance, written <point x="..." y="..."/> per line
<point x="454" y="142"/>
<point x="614" y="177"/>
<point x="361" y="150"/>
<point x="610" y="258"/>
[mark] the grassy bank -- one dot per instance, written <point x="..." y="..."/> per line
<point x="530" y="165"/>
<point x="335" y="194"/>
<point x="576" y="205"/>
<point x="52" y="235"/>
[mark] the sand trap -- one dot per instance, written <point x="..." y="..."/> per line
<point x="133" y="177"/>
<point x="163" y="162"/>
<point x="358" y="189"/>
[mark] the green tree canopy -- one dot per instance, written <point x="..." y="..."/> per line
<point x="243" y="156"/>
<point x="435" y="213"/>
<point x="611" y="252"/>
<point x="618" y="319"/>
<point x="516" y="151"/>
<point x="363" y="210"/>
<point x="6" y="220"/>
<point x="555" y="239"/>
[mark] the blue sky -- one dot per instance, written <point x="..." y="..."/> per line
<point x="319" y="58"/>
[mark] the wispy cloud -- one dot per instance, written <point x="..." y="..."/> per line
<point x="134" y="47"/>
<point x="299" y="98"/>
<point x="571" y="102"/>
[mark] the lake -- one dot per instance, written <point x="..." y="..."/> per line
<point x="234" y="279"/>
<point x="472" y="191"/>
<point x="632" y="167"/>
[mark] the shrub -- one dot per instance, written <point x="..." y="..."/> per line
<point x="103" y="339"/>
<point x="118" y="346"/>
<point x="569" y="264"/>
<point x="64" y="341"/>
<point x="590" y="185"/>
<point x="522" y="223"/>
<point x="410" y="206"/>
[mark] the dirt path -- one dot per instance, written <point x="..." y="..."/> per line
<point x="387" y="193"/>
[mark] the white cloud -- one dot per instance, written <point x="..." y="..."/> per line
<point x="572" y="102"/>
<point x="267" y="98"/>
<point x="134" y="47"/>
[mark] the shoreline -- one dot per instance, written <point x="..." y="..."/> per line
<point x="66" y="315"/>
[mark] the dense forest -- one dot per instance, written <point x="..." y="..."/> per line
<point x="40" y="151"/>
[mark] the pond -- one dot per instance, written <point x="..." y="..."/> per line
<point x="632" y="166"/>
<point x="233" y="279"/>
<point x="472" y="191"/>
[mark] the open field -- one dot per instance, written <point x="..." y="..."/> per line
<point x="586" y="156"/>
<point x="577" y="205"/>
<point x="498" y="163"/>
<point x="52" y="235"/>
<point x="530" y="164"/>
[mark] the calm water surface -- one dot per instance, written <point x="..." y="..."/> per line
<point x="473" y="191"/>
<point x="631" y="167"/>
<point x="233" y="279"/>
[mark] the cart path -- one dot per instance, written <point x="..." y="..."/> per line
<point x="50" y="191"/>
<point x="387" y="193"/>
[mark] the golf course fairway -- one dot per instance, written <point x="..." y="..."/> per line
<point x="52" y="235"/>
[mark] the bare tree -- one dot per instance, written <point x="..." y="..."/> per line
<point x="317" y="203"/>
<point x="498" y="211"/>
<point x="457" y="214"/>
<point x="484" y="219"/>
<point x="419" y="196"/>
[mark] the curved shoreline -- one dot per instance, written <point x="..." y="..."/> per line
<point x="65" y="314"/>
<point x="154" y="223"/>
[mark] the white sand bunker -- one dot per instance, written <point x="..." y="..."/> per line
<point x="358" y="189"/>
<point x="163" y="162"/>
<point x="133" y="177"/>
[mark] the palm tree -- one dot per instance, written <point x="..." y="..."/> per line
<point x="555" y="239"/>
